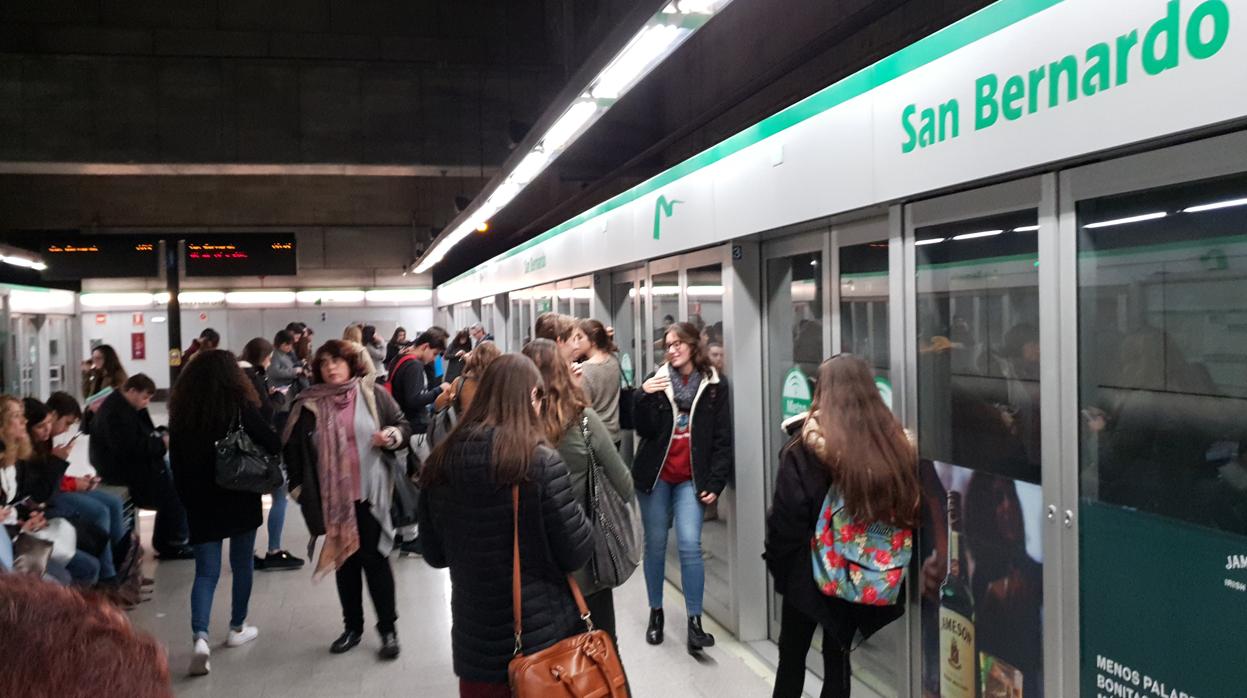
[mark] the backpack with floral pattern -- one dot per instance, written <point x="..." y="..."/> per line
<point x="860" y="562"/>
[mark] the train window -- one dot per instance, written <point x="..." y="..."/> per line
<point x="664" y="311"/>
<point x="705" y="301"/>
<point x="864" y="304"/>
<point x="978" y="335"/>
<point x="1162" y="357"/>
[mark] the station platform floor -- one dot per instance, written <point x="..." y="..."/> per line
<point x="298" y="618"/>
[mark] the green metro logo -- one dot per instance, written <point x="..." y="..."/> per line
<point x="663" y="209"/>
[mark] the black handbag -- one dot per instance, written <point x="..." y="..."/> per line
<point x="627" y="407"/>
<point x="243" y="466"/>
<point x="404" y="507"/>
<point x="618" y="538"/>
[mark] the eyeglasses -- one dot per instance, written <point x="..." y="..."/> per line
<point x="676" y="346"/>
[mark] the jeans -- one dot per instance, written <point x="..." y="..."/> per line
<point x="277" y="517"/>
<point x="665" y="505"/>
<point x="83" y="569"/>
<point x="376" y="568"/>
<point x="208" y="571"/>
<point x="6" y="552"/>
<point x="796" y="632"/>
<point x="99" y="509"/>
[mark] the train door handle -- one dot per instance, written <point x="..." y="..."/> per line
<point x="1069" y="518"/>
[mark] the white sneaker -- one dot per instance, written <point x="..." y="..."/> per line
<point x="243" y="636"/>
<point x="199" y="660"/>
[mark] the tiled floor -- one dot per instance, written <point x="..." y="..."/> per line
<point x="298" y="618"/>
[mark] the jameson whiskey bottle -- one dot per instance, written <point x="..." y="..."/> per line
<point x="958" y="658"/>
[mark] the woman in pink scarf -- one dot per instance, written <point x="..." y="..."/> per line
<point x="340" y="445"/>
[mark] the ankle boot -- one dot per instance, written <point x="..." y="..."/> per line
<point x="653" y="635"/>
<point x="698" y="639"/>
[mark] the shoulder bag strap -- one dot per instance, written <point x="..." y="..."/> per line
<point x="591" y="482"/>
<point x="516" y="595"/>
<point x="516" y="612"/>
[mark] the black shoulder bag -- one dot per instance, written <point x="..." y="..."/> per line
<point x="243" y="466"/>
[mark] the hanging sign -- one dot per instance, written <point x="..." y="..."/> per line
<point x="175" y="357"/>
<point x="625" y="366"/>
<point x="138" y="345"/>
<point x="795" y="396"/>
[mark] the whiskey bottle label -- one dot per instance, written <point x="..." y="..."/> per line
<point x="958" y="660"/>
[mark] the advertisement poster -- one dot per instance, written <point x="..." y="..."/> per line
<point x="138" y="345"/>
<point x="982" y="584"/>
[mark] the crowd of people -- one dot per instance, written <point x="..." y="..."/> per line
<point x="444" y="446"/>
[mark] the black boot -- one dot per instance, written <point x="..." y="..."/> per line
<point x="698" y="639"/>
<point x="346" y="641"/>
<point x="653" y="635"/>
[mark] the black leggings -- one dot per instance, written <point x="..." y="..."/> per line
<point x="376" y="568"/>
<point x="795" y="634"/>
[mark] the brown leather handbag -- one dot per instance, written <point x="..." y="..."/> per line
<point x="582" y="666"/>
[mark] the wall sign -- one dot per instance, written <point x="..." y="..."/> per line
<point x="137" y="319"/>
<point x="101" y="318"/>
<point x="795" y="395"/>
<point x="885" y="390"/>
<point x="138" y="346"/>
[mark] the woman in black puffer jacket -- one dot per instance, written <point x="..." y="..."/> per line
<point x="466" y="525"/>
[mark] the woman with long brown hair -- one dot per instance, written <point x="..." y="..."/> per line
<point x="211" y="396"/>
<point x="851" y="441"/>
<point x="684" y="420"/>
<point x="463" y="389"/>
<point x="340" y="445"/>
<point x="578" y="433"/>
<point x="466" y="525"/>
<point x="103" y="370"/>
<point x="602" y="376"/>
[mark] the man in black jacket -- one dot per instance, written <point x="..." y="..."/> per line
<point x="413" y="390"/>
<point x="127" y="451"/>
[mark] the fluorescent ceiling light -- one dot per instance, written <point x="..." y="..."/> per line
<point x="201" y="297"/>
<point x="1214" y="206"/>
<point x="530" y="167"/>
<point x="23" y="262"/>
<point x="666" y="290"/>
<point x="1131" y="219"/>
<point x="21" y="300"/>
<point x="399" y="295"/>
<point x="259" y="297"/>
<point x="569" y="125"/>
<point x="576" y="293"/>
<point x="928" y="241"/>
<point x="109" y="300"/>
<point x="1026" y="229"/>
<point x="705" y="291"/>
<point x="982" y="234"/>
<point x="343" y="296"/>
<point x="644" y="51"/>
<point x="162" y="298"/>
<point x="694" y="7"/>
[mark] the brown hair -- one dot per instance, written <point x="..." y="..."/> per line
<point x="596" y="333"/>
<point x="256" y="350"/>
<point x="554" y="327"/>
<point x="480" y="358"/>
<point x="352" y="354"/>
<point x="687" y="332"/>
<point x="303" y="348"/>
<point x="563" y="402"/>
<point x="43" y="626"/>
<point x="22" y="448"/>
<point x="141" y="382"/>
<point x="111" y="373"/>
<point x="354" y="333"/>
<point x="503" y="402"/>
<point x="872" y="462"/>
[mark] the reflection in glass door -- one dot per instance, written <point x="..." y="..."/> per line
<point x="664" y="310"/>
<point x="978" y="423"/>
<point x="1162" y="403"/>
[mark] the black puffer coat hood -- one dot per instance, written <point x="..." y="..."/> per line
<point x="465" y="524"/>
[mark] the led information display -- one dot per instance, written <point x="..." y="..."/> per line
<point x="240" y="255"/>
<point x="74" y="257"/>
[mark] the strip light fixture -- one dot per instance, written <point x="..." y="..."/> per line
<point x="1215" y="206"/>
<point x="650" y="46"/>
<point x="981" y="234"/>
<point x="1130" y="219"/>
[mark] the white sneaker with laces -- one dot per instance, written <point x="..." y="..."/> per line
<point x="199" y="659"/>
<point x="242" y="636"/>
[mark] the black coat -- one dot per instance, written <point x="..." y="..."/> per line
<point x="125" y="448"/>
<point x="710" y="434"/>
<point x="270" y="404"/>
<point x="800" y="487"/>
<point x="415" y="392"/>
<point x="301" y="458"/>
<point x="465" y="525"/>
<point x="213" y="512"/>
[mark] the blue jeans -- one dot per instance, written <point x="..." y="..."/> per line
<point x="6" y="552"/>
<point x="83" y="569"/>
<point x="99" y="509"/>
<point x="659" y="509"/>
<point x="277" y="517"/>
<point x="208" y="571"/>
